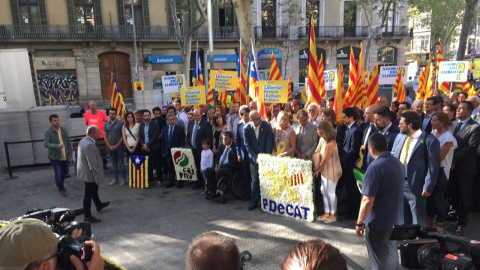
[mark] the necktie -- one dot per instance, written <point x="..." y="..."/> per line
<point x="224" y="156"/>
<point x="457" y="128"/>
<point x="194" y="133"/>
<point x="406" y="145"/>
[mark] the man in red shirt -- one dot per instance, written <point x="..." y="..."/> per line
<point x="97" y="118"/>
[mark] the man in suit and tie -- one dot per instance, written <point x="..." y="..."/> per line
<point x="307" y="136"/>
<point x="174" y="136"/>
<point x="198" y="129"/>
<point x="430" y="104"/>
<point x="258" y="139"/>
<point x="451" y="111"/>
<point x="467" y="134"/>
<point x="419" y="151"/>
<point x="148" y="134"/>
<point x="348" y="156"/>
<point x="89" y="170"/>
<point x="241" y="149"/>
<point x="226" y="162"/>
<point x="368" y="130"/>
<point x="384" y="125"/>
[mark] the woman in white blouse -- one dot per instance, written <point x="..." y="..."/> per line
<point x="130" y="134"/>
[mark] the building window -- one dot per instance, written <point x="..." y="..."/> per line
<point x="226" y="13"/>
<point x="390" y="23"/>
<point x="312" y="7"/>
<point x="349" y="17"/>
<point x="269" y="14"/>
<point x="421" y="43"/>
<point x="386" y="56"/>
<point x="84" y="12"/>
<point x="29" y="12"/>
<point x="185" y="13"/>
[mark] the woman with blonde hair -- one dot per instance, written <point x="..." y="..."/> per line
<point x="327" y="169"/>
<point x="283" y="132"/>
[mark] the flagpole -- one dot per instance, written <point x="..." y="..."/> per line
<point x="134" y="41"/>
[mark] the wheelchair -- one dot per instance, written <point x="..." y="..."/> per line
<point x="234" y="183"/>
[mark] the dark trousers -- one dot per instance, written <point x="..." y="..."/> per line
<point x="382" y="252"/>
<point x="246" y="173"/>
<point x="91" y="192"/>
<point x="61" y="170"/>
<point x="171" y="169"/>
<point x="255" y="186"/>
<point x="197" y="156"/>
<point x="436" y="205"/>
<point x="413" y="207"/>
<point x="460" y="191"/>
<point x="318" y="194"/>
<point x="154" y="161"/>
<point x="353" y="194"/>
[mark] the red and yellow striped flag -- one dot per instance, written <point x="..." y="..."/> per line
<point x="339" y="101"/>
<point x="222" y="96"/>
<point x="241" y="93"/>
<point x="372" y="88"/>
<point x="321" y="79"/>
<point x="274" y="70"/>
<point x="117" y="99"/>
<point x="399" y="88"/>
<point x="422" y="82"/>
<point x="360" y="93"/>
<point x="138" y="171"/>
<point x="313" y="83"/>
<point x="429" y="87"/>
<point x="352" y="81"/>
<point x="471" y="92"/>
<point x="444" y="86"/>
<point x="289" y="86"/>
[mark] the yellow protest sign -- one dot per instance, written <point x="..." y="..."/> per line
<point x="273" y="91"/>
<point x="221" y="79"/>
<point x="138" y="86"/>
<point x="193" y="95"/>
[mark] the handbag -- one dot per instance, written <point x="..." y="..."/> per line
<point x="442" y="180"/>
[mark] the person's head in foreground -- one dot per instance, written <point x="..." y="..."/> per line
<point x="314" y="255"/>
<point x="213" y="251"/>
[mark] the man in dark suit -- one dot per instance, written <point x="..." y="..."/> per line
<point x="420" y="153"/>
<point x="174" y="136"/>
<point x="258" y="139"/>
<point x="430" y="105"/>
<point x="148" y="135"/>
<point x="467" y="133"/>
<point x="198" y="129"/>
<point x="369" y="129"/>
<point x="226" y="162"/>
<point x="384" y="126"/>
<point x="161" y="122"/>
<point x="242" y="150"/>
<point x="348" y="156"/>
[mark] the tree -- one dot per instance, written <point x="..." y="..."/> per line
<point x="183" y="32"/>
<point x="466" y="22"/>
<point x="243" y="11"/>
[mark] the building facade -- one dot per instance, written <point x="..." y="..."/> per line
<point x="78" y="44"/>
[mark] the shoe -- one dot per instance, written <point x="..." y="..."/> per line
<point x="63" y="192"/>
<point x="323" y="217"/>
<point x="203" y="192"/>
<point x="330" y="219"/>
<point x="92" y="219"/>
<point x="113" y="182"/>
<point x="439" y="227"/>
<point x="103" y="206"/>
<point x="252" y="206"/>
<point x="67" y="175"/>
<point x="158" y="184"/>
<point x="180" y="185"/>
<point x="123" y="182"/>
<point x="431" y="222"/>
<point x="459" y="231"/>
<point x="208" y="197"/>
<point x="169" y="185"/>
<point x="197" y="185"/>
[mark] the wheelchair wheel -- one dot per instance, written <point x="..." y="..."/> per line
<point x="238" y="185"/>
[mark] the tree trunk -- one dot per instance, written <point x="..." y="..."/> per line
<point x="243" y="10"/>
<point x="467" y="19"/>
<point x="186" y="56"/>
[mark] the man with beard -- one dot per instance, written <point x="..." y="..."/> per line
<point x="383" y="124"/>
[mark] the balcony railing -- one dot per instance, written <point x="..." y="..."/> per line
<point x="264" y="32"/>
<point x="357" y="31"/>
<point x="106" y="32"/>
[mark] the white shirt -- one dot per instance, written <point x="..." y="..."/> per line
<point x="447" y="162"/>
<point x="225" y="153"/>
<point x="206" y="160"/>
<point x="257" y="130"/>
<point x="415" y="136"/>
<point x="368" y="133"/>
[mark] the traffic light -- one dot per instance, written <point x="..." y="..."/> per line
<point x="427" y="57"/>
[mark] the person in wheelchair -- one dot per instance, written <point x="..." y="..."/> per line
<point x="226" y="162"/>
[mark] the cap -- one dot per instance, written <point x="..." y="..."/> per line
<point x="25" y="241"/>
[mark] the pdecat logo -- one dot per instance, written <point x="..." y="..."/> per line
<point x="180" y="159"/>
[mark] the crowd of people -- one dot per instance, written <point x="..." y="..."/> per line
<point x="430" y="148"/>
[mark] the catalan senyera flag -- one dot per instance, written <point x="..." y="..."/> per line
<point x="303" y="94"/>
<point x="274" y="70"/>
<point x="422" y="82"/>
<point x="471" y="92"/>
<point x="313" y="84"/>
<point x="399" y="88"/>
<point x="117" y="99"/>
<point x="289" y="86"/>
<point x="372" y="88"/>
<point x="444" y="86"/>
<point x="352" y="81"/>
<point x="360" y="93"/>
<point x="464" y="87"/>
<point x="430" y="83"/>
<point x="138" y="171"/>
<point x="197" y="78"/>
<point x="339" y="101"/>
<point x="321" y="79"/>
<point x="222" y="96"/>
<point x="253" y="84"/>
<point x="241" y="94"/>
<point x="210" y="95"/>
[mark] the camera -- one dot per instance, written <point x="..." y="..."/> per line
<point x="62" y="222"/>
<point x="420" y="249"/>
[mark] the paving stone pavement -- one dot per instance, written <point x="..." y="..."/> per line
<point x="152" y="229"/>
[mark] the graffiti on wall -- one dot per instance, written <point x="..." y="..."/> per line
<point x="56" y="89"/>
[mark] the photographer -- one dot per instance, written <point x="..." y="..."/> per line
<point x="30" y="244"/>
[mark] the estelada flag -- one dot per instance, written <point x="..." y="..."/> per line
<point x="138" y="171"/>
